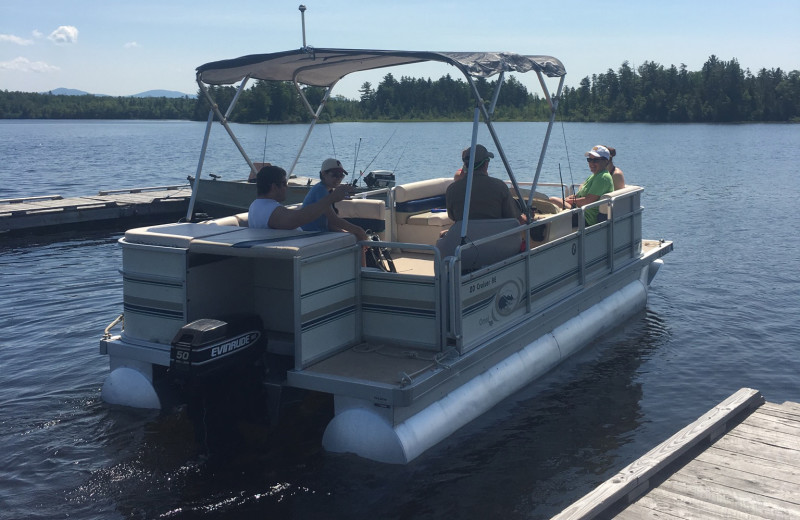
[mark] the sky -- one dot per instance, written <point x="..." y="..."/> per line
<point x="121" y="48"/>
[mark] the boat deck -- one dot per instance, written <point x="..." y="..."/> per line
<point x="740" y="460"/>
<point x="379" y="364"/>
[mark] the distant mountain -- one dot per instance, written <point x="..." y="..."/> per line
<point x="163" y="93"/>
<point x="67" y="92"/>
<point x="149" y="93"/>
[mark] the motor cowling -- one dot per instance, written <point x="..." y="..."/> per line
<point x="210" y="346"/>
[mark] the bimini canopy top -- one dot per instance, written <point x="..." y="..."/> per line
<point x="324" y="67"/>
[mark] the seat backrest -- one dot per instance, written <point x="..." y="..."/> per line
<point x="484" y="254"/>
<point x="545" y="207"/>
<point x="366" y="213"/>
<point x="421" y="189"/>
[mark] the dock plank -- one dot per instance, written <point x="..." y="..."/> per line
<point x="661" y="503"/>
<point x="634" y="479"/>
<point x="737" y="444"/>
<point x="751" y="471"/>
<point x="786" y="424"/>
<point x="732" y="493"/>
<point x="752" y="464"/>
<point x="786" y="410"/>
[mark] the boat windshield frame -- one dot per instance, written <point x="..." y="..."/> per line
<point x="324" y="67"/>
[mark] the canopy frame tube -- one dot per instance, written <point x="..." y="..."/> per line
<point x="314" y="118"/>
<point x="550" y="123"/>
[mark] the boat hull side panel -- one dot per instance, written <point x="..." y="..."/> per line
<point x="398" y="306"/>
<point x="356" y="420"/>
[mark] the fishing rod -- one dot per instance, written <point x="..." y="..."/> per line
<point x="333" y="145"/>
<point x="569" y="164"/>
<point x="264" y="155"/>
<point x="563" y="196"/>
<point x="400" y="157"/>
<point x="353" y="180"/>
<point x="379" y="152"/>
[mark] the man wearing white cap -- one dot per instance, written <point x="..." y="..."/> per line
<point x="331" y="174"/>
<point x="596" y="185"/>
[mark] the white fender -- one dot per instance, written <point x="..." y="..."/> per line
<point x="129" y="387"/>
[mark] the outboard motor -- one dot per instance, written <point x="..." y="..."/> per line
<point x="214" y="346"/>
<point x="217" y="366"/>
<point x="379" y="179"/>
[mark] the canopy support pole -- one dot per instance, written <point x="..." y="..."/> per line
<point x="470" y="170"/>
<point x="488" y="121"/>
<point x="314" y="119"/>
<point x="553" y="109"/>
<point x="190" y="211"/>
<point x="223" y="119"/>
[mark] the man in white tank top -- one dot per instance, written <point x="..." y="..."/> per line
<point x="267" y="212"/>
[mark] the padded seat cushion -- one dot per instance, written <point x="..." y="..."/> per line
<point x="417" y="205"/>
<point x="421" y="189"/>
<point x="429" y="218"/>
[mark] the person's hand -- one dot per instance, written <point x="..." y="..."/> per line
<point x="361" y="234"/>
<point x="341" y="192"/>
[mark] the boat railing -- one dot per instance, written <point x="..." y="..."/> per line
<point x="541" y="273"/>
<point x="370" y="193"/>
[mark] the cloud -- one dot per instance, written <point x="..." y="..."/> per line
<point x="36" y="34"/>
<point x="65" y="34"/>
<point x="15" y="39"/>
<point x="131" y="45"/>
<point x="21" y="64"/>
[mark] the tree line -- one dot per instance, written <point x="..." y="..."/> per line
<point x="27" y="105"/>
<point x="720" y="92"/>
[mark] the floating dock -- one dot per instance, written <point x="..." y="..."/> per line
<point x="27" y="214"/>
<point x="740" y="460"/>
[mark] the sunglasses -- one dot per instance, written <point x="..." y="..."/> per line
<point x="594" y="159"/>
<point x="336" y="174"/>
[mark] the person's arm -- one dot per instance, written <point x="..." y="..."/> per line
<point x="619" y="179"/>
<point x="288" y="218"/>
<point x="449" y="202"/>
<point x="510" y="207"/>
<point x="337" y="223"/>
<point x="577" y="202"/>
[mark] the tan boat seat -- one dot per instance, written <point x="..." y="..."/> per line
<point x="484" y="254"/>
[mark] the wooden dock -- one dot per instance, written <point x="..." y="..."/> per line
<point x="47" y="212"/>
<point x="741" y="460"/>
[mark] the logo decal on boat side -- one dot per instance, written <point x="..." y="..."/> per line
<point x="507" y="298"/>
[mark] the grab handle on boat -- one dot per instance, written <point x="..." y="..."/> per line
<point x="107" y="331"/>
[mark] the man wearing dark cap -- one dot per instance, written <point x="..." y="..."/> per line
<point x="490" y="196"/>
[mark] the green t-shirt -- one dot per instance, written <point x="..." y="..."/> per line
<point x="598" y="184"/>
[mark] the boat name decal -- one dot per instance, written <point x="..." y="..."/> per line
<point x="483" y="284"/>
<point x="234" y="344"/>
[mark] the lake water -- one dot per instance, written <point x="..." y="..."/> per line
<point x="723" y="313"/>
